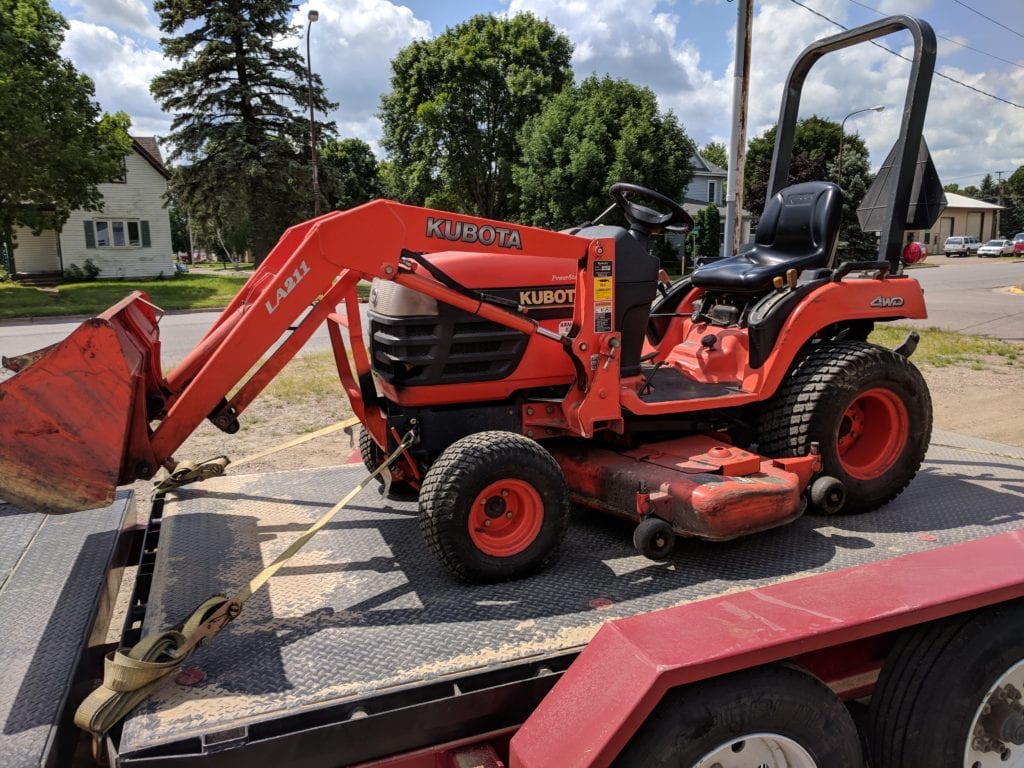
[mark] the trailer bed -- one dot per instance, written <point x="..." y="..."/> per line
<point x="362" y="646"/>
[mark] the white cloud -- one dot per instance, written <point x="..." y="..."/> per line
<point x="122" y="71"/>
<point x="130" y="15"/>
<point x="352" y="45"/>
<point x="634" y="40"/>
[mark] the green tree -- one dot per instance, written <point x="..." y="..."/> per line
<point x="349" y="174"/>
<point x="239" y="100"/>
<point x="815" y="158"/>
<point x="590" y="136"/>
<point x="714" y="151"/>
<point x="988" y="191"/>
<point x="709" y="239"/>
<point x="1012" y="220"/>
<point x="951" y="187"/>
<point x="57" y="144"/>
<point x="457" y="104"/>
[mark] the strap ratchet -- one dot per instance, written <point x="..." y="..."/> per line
<point x="131" y="674"/>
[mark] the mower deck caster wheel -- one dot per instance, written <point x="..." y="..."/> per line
<point x="654" y="538"/>
<point x="828" y="495"/>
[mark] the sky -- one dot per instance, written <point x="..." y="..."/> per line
<point x="682" y="49"/>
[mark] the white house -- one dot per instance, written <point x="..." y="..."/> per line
<point x="707" y="185"/>
<point x="129" y="237"/>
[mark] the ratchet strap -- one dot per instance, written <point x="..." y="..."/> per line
<point x="131" y="674"/>
<point x="193" y="472"/>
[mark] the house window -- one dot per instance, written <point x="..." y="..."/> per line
<point x="116" y="233"/>
<point x="712" y="190"/>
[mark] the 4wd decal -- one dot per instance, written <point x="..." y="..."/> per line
<point x="287" y="287"/>
<point x="470" y="232"/>
<point x="886" y="301"/>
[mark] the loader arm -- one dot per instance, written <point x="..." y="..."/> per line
<point x="94" y="411"/>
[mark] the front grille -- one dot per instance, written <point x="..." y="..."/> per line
<point x="442" y="349"/>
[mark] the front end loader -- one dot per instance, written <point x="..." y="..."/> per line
<point x="532" y="369"/>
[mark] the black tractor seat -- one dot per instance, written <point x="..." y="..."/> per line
<point x="798" y="230"/>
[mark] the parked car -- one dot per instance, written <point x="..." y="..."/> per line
<point x="1018" y="244"/>
<point x="961" y="245"/>
<point x="996" y="248"/>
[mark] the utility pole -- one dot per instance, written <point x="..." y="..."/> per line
<point x="999" y="201"/>
<point x="738" y="135"/>
<point x="312" y="16"/>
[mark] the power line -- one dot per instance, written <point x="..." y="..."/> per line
<point x="997" y="23"/>
<point x="900" y="55"/>
<point x="948" y="39"/>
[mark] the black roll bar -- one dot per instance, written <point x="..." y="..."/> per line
<point x="908" y="142"/>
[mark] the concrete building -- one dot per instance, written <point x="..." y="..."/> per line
<point x="963" y="216"/>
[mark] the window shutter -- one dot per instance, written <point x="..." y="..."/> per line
<point x="90" y="236"/>
<point x="145" y="234"/>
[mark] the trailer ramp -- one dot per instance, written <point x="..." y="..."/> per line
<point x="362" y="647"/>
<point x="53" y="590"/>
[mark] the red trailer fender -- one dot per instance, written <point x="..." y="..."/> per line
<point x="622" y="674"/>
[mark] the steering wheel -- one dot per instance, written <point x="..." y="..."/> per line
<point x="646" y="219"/>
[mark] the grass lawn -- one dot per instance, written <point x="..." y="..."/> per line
<point x="942" y="348"/>
<point x="189" y="291"/>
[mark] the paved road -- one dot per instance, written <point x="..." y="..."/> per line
<point x="969" y="295"/>
<point x="180" y="332"/>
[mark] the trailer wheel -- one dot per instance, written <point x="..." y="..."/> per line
<point x="868" y="409"/>
<point x="494" y="506"/>
<point x="771" y="716"/>
<point x="950" y="694"/>
<point x="373" y="457"/>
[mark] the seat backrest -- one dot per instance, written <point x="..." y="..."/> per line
<point x="801" y="221"/>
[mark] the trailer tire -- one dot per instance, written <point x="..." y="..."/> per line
<point x="778" y="705"/>
<point x="373" y="457"/>
<point x="929" y="696"/>
<point x="867" y="407"/>
<point x="494" y="506"/>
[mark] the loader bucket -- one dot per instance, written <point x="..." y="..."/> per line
<point x="67" y="414"/>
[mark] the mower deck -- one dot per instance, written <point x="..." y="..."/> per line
<point x="364" y="627"/>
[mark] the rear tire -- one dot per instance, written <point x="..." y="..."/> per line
<point x="930" y="697"/>
<point x="867" y="407"/>
<point x="494" y="507"/>
<point x="777" y="715"/>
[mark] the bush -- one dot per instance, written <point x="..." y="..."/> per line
<point x="5" y="276"/>
<point x="76" y="274"/>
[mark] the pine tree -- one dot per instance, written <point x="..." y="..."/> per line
<point x="240" y="126"/>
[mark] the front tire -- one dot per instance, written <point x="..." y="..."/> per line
<point x="772" y="716"/>
<point x="494" y="507"/>
<point x="373" y="457"/>
<point x="867" y="407"/>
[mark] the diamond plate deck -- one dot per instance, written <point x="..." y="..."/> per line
<point x="365" y="608"/>
<point x="52" y="572"/>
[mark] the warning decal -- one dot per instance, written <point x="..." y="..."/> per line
<point x="602" y="289"/>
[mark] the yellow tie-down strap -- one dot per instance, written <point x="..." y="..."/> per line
<point x="192" y="472"/>
<point x="131" y="674"/>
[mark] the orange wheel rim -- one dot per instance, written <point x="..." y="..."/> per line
<point x="506" y="517"/>
<point x="872" y="434"/>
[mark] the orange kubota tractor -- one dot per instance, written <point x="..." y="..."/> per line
<point x="532" y="367"/>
